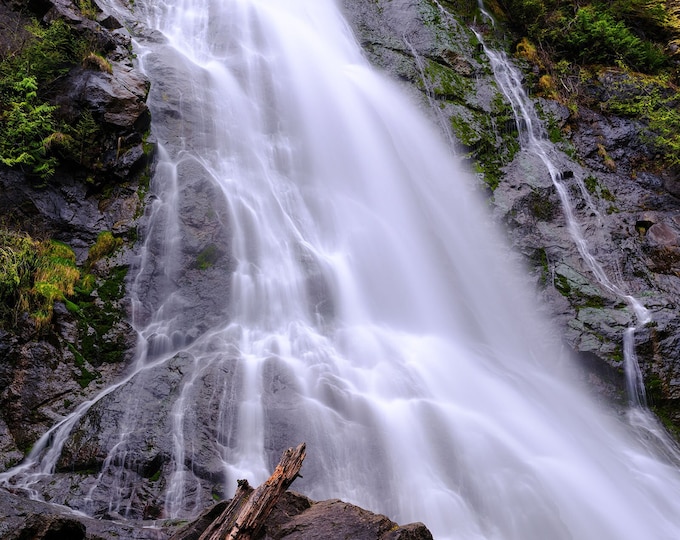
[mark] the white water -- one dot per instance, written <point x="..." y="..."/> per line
<point x="369" y="312"/>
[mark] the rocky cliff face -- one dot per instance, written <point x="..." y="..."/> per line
<point x="628" y="212"/>
<point x="46" y="372"/>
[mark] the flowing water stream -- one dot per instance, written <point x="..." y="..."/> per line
<point x="316" y="268"/>
<point x="534" y="138"/>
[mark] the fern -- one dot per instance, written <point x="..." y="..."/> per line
<point x="26" y="126"/>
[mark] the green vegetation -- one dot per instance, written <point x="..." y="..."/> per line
<point x="55" y="278"/>
<point x="33" y="136"/>
<point x="97" y="62"/>
<point x="576" y="45"/>
<point x="105" y="245"/>
<point x="492" y="140"/>
<point x="36" y="274"/>
<point x="27" y="125"/>
<point x="99" y="316"/>
<point x="207" y="257"/>
<point x="598" y="32"/>
<point x="88" y="8"/>
<point x="656" y="102"/>
<point x="18" y="260"/>
<point x="594" y="187"/>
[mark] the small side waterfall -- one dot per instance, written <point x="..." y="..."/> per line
<point x="316" y="268"/>
<point x="534" y="138"/>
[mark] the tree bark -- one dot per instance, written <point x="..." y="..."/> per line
<point x="248" y="510"/>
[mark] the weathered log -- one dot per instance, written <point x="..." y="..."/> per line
<point x="248" y="510"/>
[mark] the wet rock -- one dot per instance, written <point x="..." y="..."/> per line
<point x="50" y="527"/>
<point x="67" y="209"/>
<point x="672" y="181"/>
<point x="337" y="519"/>
<point x="296" y="517"/>
<point x="98" y="37"/>
<point x="118" y="97"/>
<point x="662" y="234"/>
<point x="23" y="518"/>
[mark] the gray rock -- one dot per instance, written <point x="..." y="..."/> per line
<point x="337" y="519"/>
<point x="296" y="517"/>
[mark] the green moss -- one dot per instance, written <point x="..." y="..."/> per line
<point x="86" y="376"/>
<point x="655" y="101"/>
<point x="562" y="285"/>
<point x="654" y="388"/>
<point x="594" y="187"/>
<point x="96" y="319"/>
<point x="591" y="184"/>
<point x="606" y="194"/>
<point x="595" y="302"/>
<point x="207" y="257"/>
<point x="541" y="206"/>
<point x="540" y="260"/>
<point x="445" y="82"/>
<point x="105" y="245"/>
<point x="492" y="138"/>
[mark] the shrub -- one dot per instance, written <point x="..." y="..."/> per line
<point x="595" y="37"/>
<point x="82" y="144"/>
<point x="631" y="32"/>
<point x="27" y="125"/>
<point x="50" y="53"/>
<point x="29" y="132"/>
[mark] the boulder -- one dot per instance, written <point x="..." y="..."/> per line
<point x="298" y="518"/>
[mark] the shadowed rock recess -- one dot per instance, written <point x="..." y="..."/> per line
<point x="628" y="209"/>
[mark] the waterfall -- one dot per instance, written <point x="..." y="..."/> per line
<point x="317" y="268"/>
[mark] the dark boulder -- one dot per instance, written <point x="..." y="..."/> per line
<point x="296" y="517"/>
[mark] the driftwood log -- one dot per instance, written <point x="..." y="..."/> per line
<point x="245" y="515"/>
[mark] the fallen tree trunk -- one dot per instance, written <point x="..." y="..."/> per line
<point x="248" y="510"/>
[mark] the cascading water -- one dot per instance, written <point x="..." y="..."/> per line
<point x="316" y="269"/>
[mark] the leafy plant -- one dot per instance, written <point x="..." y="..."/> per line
<point x="88" y="8"/>
<point x="49" y="54"/>
<point x="78" y="142"/>
<point x="595" y="36"/>
<point x="630" y="32"/>
<point x="27" y="124"/>
<point x="31" y="137"/>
